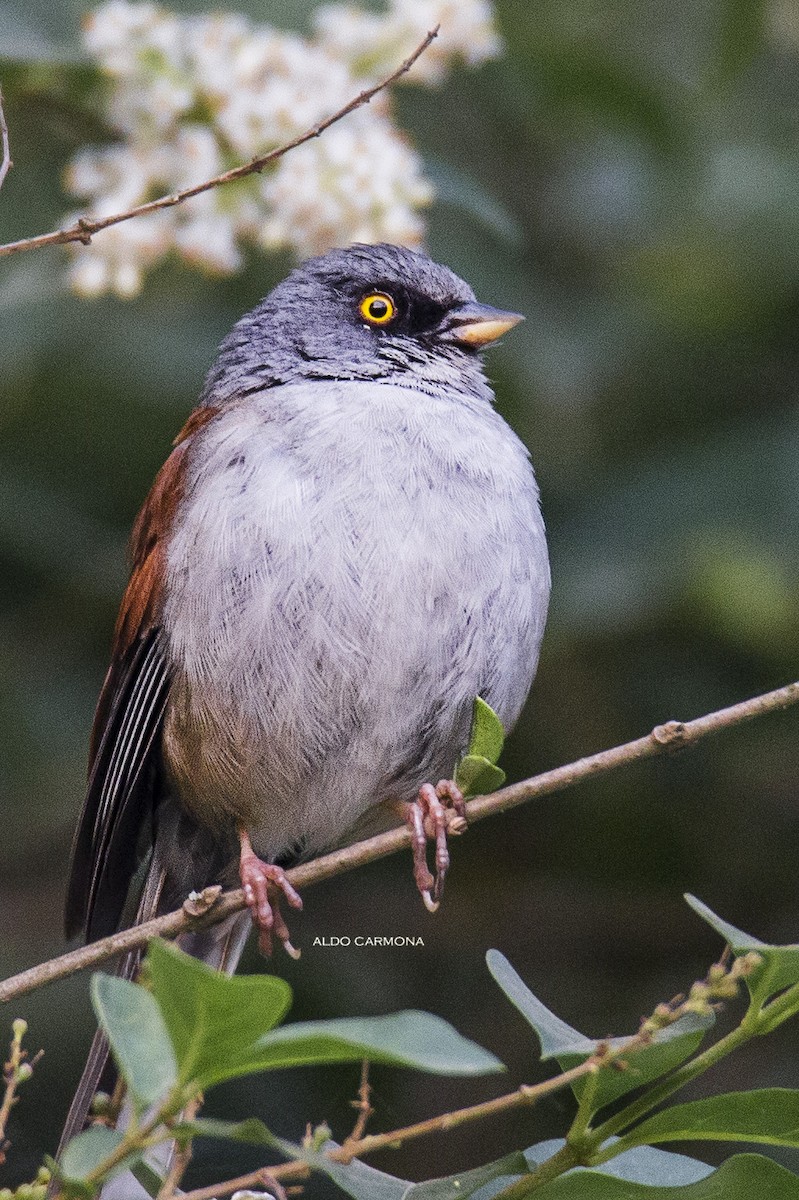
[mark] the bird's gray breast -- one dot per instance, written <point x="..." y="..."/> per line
<point x="352" y="564"/>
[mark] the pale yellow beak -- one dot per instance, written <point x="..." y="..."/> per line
<point x="479" y="325"/>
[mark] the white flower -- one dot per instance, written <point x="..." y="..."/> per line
<point x="114" y="178"/>
<point x="359" y="183"/>
<point x="118" y="258"/>
<point x="191" y="96"/>
<point x="209" y="241"/>
<point x="373" y="44"/>
<point x="122" y="37"/>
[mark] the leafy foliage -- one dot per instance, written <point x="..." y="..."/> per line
<point x="188" y="1027"/>
<point x="191" y="1027"/>
<point x="669" y="1046"/>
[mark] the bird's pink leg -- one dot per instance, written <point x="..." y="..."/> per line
<point x="436" y="812"/>
<point x="264" y="884"/>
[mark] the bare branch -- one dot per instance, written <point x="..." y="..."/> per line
<point x="5" y="149"/>
<point x="363" y="1105"/>
<point x="672" y="735"/>
<point x="181" y="1157"/>
<point x="85" y="228"/>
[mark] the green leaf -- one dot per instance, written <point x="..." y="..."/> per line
<point x="147" y="1176"/>
<point x="488" y="733"/>
<point x="252" y="1131"/>
<point x="134" y="1026"/>
<point x="640" y="1165"/>
<point x="404" y="1039"/>
<point x="768" y="1115"/>
<point x="215" y="1021"/>
<point x="558" y="1040"/>
<point x="476" y="776"/>
<point x="780" y="967"/>
<point x="222" y="1028"/>
<point x="357" y="1179"/>
<point x="88" y="1150"/>
<point x="555" y="1036"/>
<point x="468" y="1182"/>
<point x="741" y="1177"/>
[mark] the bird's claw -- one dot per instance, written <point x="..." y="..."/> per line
<point x="265" y="884"/>
<point x="436" y="812"/>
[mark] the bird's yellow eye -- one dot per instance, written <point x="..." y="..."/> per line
<point x="377" y="308"/>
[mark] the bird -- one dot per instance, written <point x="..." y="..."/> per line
<point x="344" y="548"/>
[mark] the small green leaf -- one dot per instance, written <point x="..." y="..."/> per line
<point x="555" y="1036"/>
<point x="88" y="1150"/>
<point x="643" y="1164"/>
<point x="780" y="967"/>
<point x="147" y="1176"/>
<point x="476" y="776"/>
<point x="357" y="1179"/>
<point x="668" y="1048"/>
<point x="767" y="1115"/>
<point x="404" y="1039"/>
<point x="741" y="1177"/>
<point x="640" y="1165"/>
<point x="139" y="1039"/>
<point x="453" y="1187"/>
<point x="214" y="1020"/>
<point x="488" y="733"/>
<point x="252" y="1131"/>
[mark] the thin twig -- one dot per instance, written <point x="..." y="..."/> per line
<point x="5" y="149"/>
<point x="181" y="1157"/>
<point x="363" y="1105"/>
<point x="84" y="229"/>
<point x="16" y="1070"/>
<point x="672" y="735"/>
<point x="263" y="1177"/>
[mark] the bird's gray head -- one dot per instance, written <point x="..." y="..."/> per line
<point x="366" y="312"/>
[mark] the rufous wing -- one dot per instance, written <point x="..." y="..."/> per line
<point x="125" y="765"/>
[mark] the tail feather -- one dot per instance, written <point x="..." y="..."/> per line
<point x="99" y="1072"/>
<point x="220" y="947"/>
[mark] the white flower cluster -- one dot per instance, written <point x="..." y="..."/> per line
<point x="192" y="96"/>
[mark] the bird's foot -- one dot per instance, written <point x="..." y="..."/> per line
<point x="435" y="813"/>
<point x="265" y="884"/>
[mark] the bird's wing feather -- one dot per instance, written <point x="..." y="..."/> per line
<point x="125" y="754"/>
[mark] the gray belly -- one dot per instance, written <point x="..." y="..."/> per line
<point x="335" y="606"/>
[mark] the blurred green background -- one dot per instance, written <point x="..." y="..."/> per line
<point x="627" y="175"/>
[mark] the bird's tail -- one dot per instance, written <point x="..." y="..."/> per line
<point x="219" y="946"/>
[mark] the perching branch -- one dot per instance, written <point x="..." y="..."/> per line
<point x="211" y="906"/>
<point x="84" y="229"/>
<point x="5" y="149"/>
